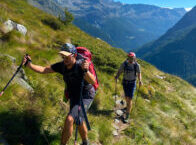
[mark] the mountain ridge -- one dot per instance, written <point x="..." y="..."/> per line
<point x="179" y="43"/>
<point x="165" y="109"/>
<point x="142" y="17"/>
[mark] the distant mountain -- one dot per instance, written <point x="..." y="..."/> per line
<point x="49" y="6"/>
<point x="164" y="114"/>
<point x="122" y="25"/>
<point x="175" y="51"/>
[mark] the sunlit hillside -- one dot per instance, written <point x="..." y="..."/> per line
<point x="165" y="112"/>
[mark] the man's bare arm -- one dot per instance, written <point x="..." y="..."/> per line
<point x="40" y="69"/>
<point x="36" y="68"/>
<point x="90" y="78"/>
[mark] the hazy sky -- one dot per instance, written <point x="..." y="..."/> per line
<point x="164" y="3"/>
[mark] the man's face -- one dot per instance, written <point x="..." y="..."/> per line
<point x="131" y="59"/>
<point x="68" y="60"/>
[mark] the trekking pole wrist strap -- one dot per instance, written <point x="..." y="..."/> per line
<point x="28" y="61"/>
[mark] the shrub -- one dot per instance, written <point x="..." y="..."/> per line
<point x="52" y="22"/>
<point x="68" y="17"/>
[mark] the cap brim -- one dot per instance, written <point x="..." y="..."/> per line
<point x="65" y="53"/>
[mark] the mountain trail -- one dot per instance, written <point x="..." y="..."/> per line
<point x="118" y="125"/>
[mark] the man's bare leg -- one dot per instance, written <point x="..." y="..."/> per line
<point x="83" y="132"/>
<point x="129" y="104"/>
<point x="67" y="130"/>
<point x="128" y="110"/>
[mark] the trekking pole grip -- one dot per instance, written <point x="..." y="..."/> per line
<point x="28" y="60"/>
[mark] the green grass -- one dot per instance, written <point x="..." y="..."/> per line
<point x="166" y="119"/>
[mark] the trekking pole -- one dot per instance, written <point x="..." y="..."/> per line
<point x="81" y="105"/>
<point x="18" y="69"/>
<point x="115" y="91"/>
<point x="77" y="124"/>
<point x="136" y="97"/>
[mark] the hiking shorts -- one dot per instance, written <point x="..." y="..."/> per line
<point x="129" y="88"/>
<point x="87" y="101"/>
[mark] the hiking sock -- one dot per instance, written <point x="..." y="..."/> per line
<point x="126" y="119"/>
<point x="127" y="115"/>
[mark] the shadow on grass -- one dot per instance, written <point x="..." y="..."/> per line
<point x="107" y="113"/>
<point x="23" y="128"/>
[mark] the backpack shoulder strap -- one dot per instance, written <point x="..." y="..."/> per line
<point x="125" y="64"/>
<point x="135" y="67"/>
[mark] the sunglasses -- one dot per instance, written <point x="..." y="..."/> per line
<point x="130" y="58"/>
<point x="66" y="57"/>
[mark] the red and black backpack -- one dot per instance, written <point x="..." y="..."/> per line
<point x="84" y="52"/>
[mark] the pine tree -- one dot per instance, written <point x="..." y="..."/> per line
<point x="68" y="17"/>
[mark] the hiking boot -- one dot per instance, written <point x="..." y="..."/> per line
<point x="122" y="102"/>
<point x="124" y="109"/>
<point x="126" y="118"/>
<point x="85" y="143"/>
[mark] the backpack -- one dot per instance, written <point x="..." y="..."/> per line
<point x="86" y="54"/>
<point x="126" y="67"/>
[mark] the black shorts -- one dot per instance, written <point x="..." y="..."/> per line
<point x="74" y="106"/>
<point x="129" y="88"/>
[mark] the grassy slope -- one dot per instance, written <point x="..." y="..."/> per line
<point x="169" y="117"/>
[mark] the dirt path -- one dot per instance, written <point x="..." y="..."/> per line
<point x="118" y="125"/>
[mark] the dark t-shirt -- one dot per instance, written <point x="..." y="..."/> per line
<point x="129" y="70"/>
<point x="73" y="78"/>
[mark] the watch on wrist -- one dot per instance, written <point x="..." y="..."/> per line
<point x="86" y="70"/>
